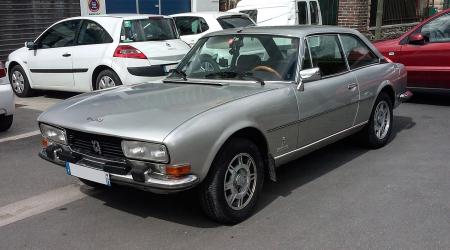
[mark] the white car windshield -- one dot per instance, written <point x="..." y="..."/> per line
<point x="242" y="57"/>
<point x="150" y="29"/>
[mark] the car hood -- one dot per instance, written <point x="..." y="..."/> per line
<point x="386" y="45"/>
<point x="146" y="111"/>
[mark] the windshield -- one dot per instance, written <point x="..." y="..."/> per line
<point x="242" y="57"/>
<point x="236" y="21"/>
<point x="151" y="29"/>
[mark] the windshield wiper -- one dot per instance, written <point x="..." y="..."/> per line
<point x="232" y="74"/>
<point x="180" y="73"/>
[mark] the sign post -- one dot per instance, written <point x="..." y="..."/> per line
<point x="92" y="7"/>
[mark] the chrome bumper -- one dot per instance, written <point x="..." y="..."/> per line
<point x="150" y="183"/>
<point x="405" y="96"/>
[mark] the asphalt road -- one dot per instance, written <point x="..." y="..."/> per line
<point x="340" y="197"/>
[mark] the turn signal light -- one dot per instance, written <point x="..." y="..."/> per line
<point x="178" y="170"/>
<point x="128" y="51"/>
<point x="44" y="142"/>
<point x="2" y="70"/>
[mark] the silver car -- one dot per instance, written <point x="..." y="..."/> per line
<point x="7" y="105"/>
<point x="241" y="103"/>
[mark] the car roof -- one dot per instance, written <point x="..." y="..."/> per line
<point x="291" y="30"/>
<point x="214" y="14"/>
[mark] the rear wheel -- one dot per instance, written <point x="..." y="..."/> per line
<point x="377" y="132"/>
<point x="231" y="189"/>
<point x="19" y="82"/>
<point x="5" y="122"/>
<point x="107" y="79"/>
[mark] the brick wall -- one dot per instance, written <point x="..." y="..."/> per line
<point x="354" y="14"/>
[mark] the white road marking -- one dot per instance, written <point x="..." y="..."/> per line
<point x="39" y="204"/>
<point x="21" y="136"/>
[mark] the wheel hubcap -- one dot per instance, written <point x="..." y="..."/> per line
<point x="240" y="181"/>
<point x="106" y="82"/>
<point x="382" y="120"/>
<point x="18" y="82"/>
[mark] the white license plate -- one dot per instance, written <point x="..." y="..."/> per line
<point x="169" y="67"/>
<point x="86" y="173"/>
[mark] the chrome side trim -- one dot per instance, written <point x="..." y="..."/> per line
<point x="321" y="140"/>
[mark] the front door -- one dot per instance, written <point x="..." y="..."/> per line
<point x="428" y="64"/>
<point x="329" y="105"/>
<point x="50" y="63"/>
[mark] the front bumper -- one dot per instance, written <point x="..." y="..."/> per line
<point x="121" y="174"/>
<point x="7" y="104"/>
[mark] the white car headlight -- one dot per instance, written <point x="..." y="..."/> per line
<point x="145" y="151"/>
<point x="53" y="134"/>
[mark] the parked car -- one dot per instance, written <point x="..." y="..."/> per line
<point x="223" y="128"/>
<point x="281" y="12"/>
<point x="6" y="101"/>
<point x="425" y="51"/>
<point x="192" y="26"/>
<point x="89" y="53"/>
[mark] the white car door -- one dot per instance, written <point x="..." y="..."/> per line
<point x="50" y="64"/>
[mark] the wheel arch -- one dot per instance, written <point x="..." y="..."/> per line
<point x="96" y="72"/>
<point x="14" y="63"/>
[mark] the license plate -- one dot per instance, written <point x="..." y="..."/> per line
<point x="169" y="67"/>
<point x="86" y="173"/>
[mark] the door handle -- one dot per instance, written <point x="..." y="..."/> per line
<point x="352" y="86"/>
<point x="66" y="55"/>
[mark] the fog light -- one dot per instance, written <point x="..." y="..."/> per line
<point x="178" y="170"/>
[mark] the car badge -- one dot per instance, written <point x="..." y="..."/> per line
<point x="98" y="119"/>
<point x="168" y="45"/>
<point x="96" y="147"/>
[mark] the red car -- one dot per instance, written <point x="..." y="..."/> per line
<point x="425" y="51"/>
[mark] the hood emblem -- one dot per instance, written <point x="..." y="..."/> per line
<point x="98" y="119"/>
<point x="96" y="147"/>
<point x="168" y="45"/>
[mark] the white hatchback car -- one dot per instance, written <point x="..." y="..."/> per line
<point x="192" y="26"/>
<point x="6" y="101"/>
<point x="88" y="53"/>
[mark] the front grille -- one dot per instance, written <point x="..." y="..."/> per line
<point x="95" y="145"/>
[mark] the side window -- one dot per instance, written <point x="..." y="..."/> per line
<point x="191" y="25"/>
<point x="357" y="52"/>
<point x="307" y="62"/>
<point x="93" y="33"/>
<point x="314" y="12"/>
<point x="60" y="35"/>
<point x="326" y="54"/>
<point x="302" y="13"/>
<point x="438" y="30"/>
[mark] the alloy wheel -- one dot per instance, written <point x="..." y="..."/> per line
<point x="18" y="82"/>
<point x="382" y="120"/>
<point x="106" y="82"/>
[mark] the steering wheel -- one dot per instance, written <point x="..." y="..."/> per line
<point x="208" y="64"/>
<point x="267" y="69"/>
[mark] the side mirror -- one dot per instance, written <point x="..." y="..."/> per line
<point x="309" y="75"/>
<point x="417" y="39"/>
<point x="30" y="45"/>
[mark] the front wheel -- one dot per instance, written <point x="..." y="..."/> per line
<point x="19" y="82"/>
<point x="231" y="189"/>
<point x="377" y="132"/>
<point x="5" y="122"/>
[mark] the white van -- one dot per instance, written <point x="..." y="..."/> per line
<point x="281" y="12"/>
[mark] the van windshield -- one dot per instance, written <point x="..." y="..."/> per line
<point x="236" y="21"/>
<point x="151" y="29"/>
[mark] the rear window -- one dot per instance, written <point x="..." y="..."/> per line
<point x="152" y="29"/>
<point x="235" y="22"/>
<point x="190" y="25"/>
<point x="253" y="14"/>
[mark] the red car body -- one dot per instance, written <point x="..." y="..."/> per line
<point x="425" y="51"/>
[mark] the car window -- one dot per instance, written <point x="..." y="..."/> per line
<point x="191" y="25"/>
<point x="237" y="21"/>
<point x="307" y="62"/>
<point x="357" y="52"/>
<point x="326" y="54"/>
<point x="150" y="29"/>
<point x="438" y="30"/>
<point x="253" y="14"/>
<point x="60" y="35"/>
<point x="93" y="33"/>
<point x="314" y="12"/>
<point x="302" y="13"/>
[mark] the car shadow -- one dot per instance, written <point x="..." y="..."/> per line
<point x="183" y="208"/>
<point x="438" y="99"/>
<point x="55" y="94"/>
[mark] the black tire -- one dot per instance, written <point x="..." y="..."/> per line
<point x="27" y="91"/>
<point x="368" y="134"/>
<point x="5" y="122"/>
<point x="92" y="184"/>
<point x="212" y="191"/>
<point x="107" y="73"/>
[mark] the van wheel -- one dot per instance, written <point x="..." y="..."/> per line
<point x="19" y="82"/>
<point x="230" y="191"/>
<point x="5" y="122"/>
<point x="377" y="132"/>
<point x="107" y="79"/>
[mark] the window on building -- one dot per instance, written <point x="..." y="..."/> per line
<point x="437" y="30"/>
<point x="314" y="12"/>
<point x="396" y="12"/>
<point x="60" y="35"/>
<point x="302" y="13"/>
<point x="326" y="54"/>
<point x="189" y="25"/>
<point x="93" y="33"/>
<point x="357" y="52"/>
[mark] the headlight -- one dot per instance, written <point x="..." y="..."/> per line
<point x="53" y="134"/>
<point x="145" y="151"/>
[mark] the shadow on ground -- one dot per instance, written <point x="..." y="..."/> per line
<point x="438" y="99"/>
<point x="183" y="208"/>
<point x="56" y="94"/>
